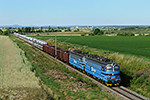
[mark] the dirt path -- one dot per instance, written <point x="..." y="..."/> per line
<point x="15" y="67"/>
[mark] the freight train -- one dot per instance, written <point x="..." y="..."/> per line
<point x="99" y="67"/>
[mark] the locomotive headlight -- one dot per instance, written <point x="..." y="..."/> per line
<point x="109" y="77"/>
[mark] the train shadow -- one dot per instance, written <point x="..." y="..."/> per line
<point x="125" y="79"/>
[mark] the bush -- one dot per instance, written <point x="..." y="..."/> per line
<point x="100" y="33"/>
<point x="140" y="34"/>
<point x="148" y="35"/>
<point x="38" y="30"/>
<point x="75" y="30"/>
<point x="107" y="33"/>
<point x="125" y="34"/>
<point x="83" y="34"/>
<point x="38" y="35"/>
<point x="91" y="34"/>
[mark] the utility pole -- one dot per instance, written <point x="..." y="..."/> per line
<point x="55" y="46"/>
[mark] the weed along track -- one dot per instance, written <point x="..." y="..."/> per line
<point x="114" y="90"/>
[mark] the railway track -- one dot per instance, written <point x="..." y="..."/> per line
<point x="119" y="91"/>
<point x="131" y="95"/>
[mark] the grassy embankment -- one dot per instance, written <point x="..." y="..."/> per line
<point x="133" y="56"/>
<point x="57" y="80"/>
<point x="16" y="79"/>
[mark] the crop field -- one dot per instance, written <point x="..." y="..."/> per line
<point x="130" y="45"/>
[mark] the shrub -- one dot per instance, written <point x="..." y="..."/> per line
<point x="38" y="35"/>
<point x="107" y="33"/>
<point x="125" y="34"/>
<point x="91" y="34"/>
<point x="82" y="34"/>
<point x="100" y="33"/>
<point x="140" y="34"/>
<point x="75" y="30"/>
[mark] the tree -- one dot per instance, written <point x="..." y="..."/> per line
<point x="19" y="30"/>
<point x="58" y="27"/>
<point x="52" y="30"/>
<point x="41" y="29"/>
<point x="29" y="29"/>
<point x="1" y="32"/>
<point x="77" y="29"/>
<point x="22" y="29"/>
<point x="62" y="28"/>
<point x="65" y="27"/>
<point x="49" y="28"/>
<point x="7" y="32"/>
<point x="100" y="33"/>
<point x="32" y="29"/>
<point x="96" y="31"/>
<point x="68" y="29"/>
<point x="26" y="29"/>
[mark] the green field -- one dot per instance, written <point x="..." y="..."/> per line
<point x="130" y="45"/>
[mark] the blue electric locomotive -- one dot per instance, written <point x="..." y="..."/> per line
<point x="100" y="68"/>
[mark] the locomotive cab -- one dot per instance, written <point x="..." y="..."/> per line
<point x="113" y="74"/>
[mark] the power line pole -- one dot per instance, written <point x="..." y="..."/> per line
<point x="55" y="46"/>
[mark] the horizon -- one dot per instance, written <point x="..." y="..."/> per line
<point x="16" y="25"/>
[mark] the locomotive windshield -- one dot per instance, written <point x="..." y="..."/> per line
<point x="116" y="68"/>
<point x="110" y="68"/>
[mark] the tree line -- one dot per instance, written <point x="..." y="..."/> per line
<point x="135" y="27"/>
<point x="41" y="29"/>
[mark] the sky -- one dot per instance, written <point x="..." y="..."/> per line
<point x="74" y="12"/>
